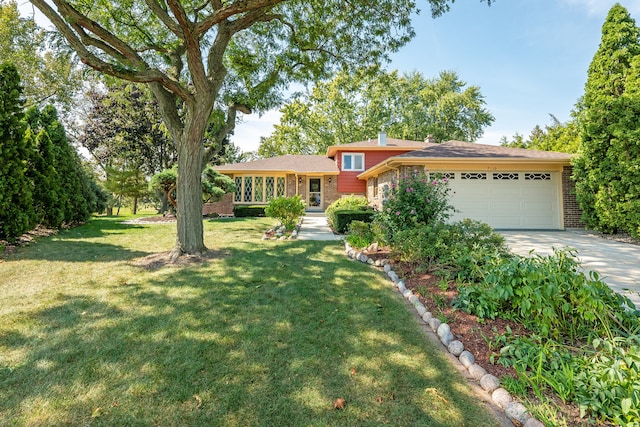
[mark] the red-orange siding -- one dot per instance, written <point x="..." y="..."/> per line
<point x="348" y="182"/>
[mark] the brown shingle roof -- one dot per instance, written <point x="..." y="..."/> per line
<point x="292" y="163"/>
<point x="372" y="144"/>
<point x="459" y="149"/>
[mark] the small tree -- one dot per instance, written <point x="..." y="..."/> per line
<point x="414" y="201"/>
<point x="286" y="209"/>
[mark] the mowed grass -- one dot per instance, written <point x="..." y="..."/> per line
<point x="268" y="334"/>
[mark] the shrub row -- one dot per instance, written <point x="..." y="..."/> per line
<point x="241" y="211"/>
<point x="343" y="218"/>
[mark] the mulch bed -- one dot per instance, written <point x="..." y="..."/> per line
<point x="476" y="334"/>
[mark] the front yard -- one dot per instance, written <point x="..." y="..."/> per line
<point x="266" y="333"/>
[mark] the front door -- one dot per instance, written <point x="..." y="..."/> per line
<point x="314" y="195"/>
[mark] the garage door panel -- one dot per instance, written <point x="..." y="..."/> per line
<point x="531" y="203"/>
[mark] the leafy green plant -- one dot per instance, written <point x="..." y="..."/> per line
<point x="414" y="201"/>
<point x="344" y="203"/>
<point x="286" y="209"/>
<point x="360" y="234"/>
<point x="443" y="284"/>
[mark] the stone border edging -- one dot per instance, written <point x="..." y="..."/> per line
<point x="515" y="411"/>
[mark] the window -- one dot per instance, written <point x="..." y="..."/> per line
<point x="352" y="161"/>
<point x="258" y="189"/>
<point x="537" y="176"/>
<point x="474" y="175"/>
<point x="505" y="176"/>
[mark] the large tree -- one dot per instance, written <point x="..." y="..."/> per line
<point x="608" y="170"/>
<point x="557" y="136"/>
<point x="354" y="106"/>
<point x="16" y="208"/>
<point x="232" y="55"/>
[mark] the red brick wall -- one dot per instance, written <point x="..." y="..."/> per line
<point x="572" y="211"/>
<point x="223" y="207"/>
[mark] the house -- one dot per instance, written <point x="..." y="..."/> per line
<point x="508" y="188"/>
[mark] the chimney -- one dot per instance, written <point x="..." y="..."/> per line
<point x="382" y="139"/>
<point x="430" y="139"/>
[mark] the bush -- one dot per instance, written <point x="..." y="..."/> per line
<point x="346" y="217"/>
<point x="348" y="203"/>
<point x="241" y="211"/>
<point x="414" y="201"/>
<point x="286" y="209"/>
<point x="462" y="249"/>
<point x="360" y="234"/>
<point x="550" y="296"/>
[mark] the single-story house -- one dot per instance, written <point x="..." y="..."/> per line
<point x="509" y="188"/>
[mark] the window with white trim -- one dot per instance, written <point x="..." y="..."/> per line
<point x="258" y="189"/>
<point x="352" y="161"/>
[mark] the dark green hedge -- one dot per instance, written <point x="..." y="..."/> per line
<point x="248" y="211"/>
<point x="344" y="218"/>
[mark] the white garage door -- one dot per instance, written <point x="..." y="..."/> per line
<point x="524" y="200"/>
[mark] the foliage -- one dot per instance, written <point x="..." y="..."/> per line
<point x="345" y="217"/>
<point x="414" y="201"/>
<point x="215" y="185"/>
<point x="48" y="70"/>
<point x="558" y="136"/>
<point x="463" y="249"/>
<point x="287" y="210"/>
<point x="16" y="205"/>
<point x="242" y="211"/>
<point x="608" y="170"/>
<point x="344" y="203"/>
<point x="550" y="296"/>
<point x="360" y="234"/>
<point x="126" y="182"/>
<point x="354" y="106"/>
<point x="124" y="126"/>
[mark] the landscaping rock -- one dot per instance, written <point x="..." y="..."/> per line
<point x="477" y="372"/>
<point x="393" y="276"/>
<point x="427" y="316"/>
<point x="374" y="247"/>
<point x="434" y="323"/>
<point x="532" y="422"/>
<point x="517" y="413"/>
<point x="401" y="286"/>
<point x="384" y="262"/>
<point x="407" y="293"/>
<point x="414" y="300"/>
<point x="489" y="383"/>
<point x="283" y="238"/>
<point x="501" y="397"/>
<point x="443" y="329"/>
<point x="363" y="258"/>
<point x="370" y="261"/>
<point x="378" y="263"/>
<point x="421" y="310"/>
<point x="386" y="268"/>
<point x="455" y="347"/>
<point x="467" y="359"/>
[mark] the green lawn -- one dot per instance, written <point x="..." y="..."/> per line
<point x="269" y="334"/>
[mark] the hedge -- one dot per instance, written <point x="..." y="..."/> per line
<point x="248" y="211"/>
<point x="345" y="217"/>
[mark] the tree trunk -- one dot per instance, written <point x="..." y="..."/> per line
<point x="190" y="237"/>
<point x="135" y="205"/>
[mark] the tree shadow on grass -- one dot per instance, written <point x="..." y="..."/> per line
<point x="271" y="335"/>
<point x="76" y="251"/>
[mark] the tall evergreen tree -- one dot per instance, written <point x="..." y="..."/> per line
<point x="607" y="172"/>
<point x="16" y="207"/>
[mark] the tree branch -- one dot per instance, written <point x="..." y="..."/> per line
<point x="223" y="13"/>
<point x="161" y="13"/>
<point x="225" y="130"/>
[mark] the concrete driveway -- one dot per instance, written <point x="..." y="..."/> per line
<point x="618" y="263"/>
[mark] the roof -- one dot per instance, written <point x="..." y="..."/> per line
<point x="289" y="163"/>
<point x="373" y="145"/>
<point x="460" y="149"/>
<point x="467" y="153"/>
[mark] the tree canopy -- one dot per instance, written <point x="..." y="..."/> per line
<point x="225" y="55"/>
<point x="48" y="70"/>
<point x="557" y="136"/>
<point x="608" y="170"/>
<point x="354" y="106"/>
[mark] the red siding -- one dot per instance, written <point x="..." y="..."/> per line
<point x="348" y="181"/>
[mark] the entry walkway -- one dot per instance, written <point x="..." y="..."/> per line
<point x="315" y="227"/>
<point x="617" y="263"/>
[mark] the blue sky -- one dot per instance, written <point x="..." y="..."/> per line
<point x="529" y="58"/>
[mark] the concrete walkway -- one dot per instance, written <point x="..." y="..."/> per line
<point x="315" y="227"/>
<point x="618" y="263"/>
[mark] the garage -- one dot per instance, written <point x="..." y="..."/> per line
<point x="508" y="200"/>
